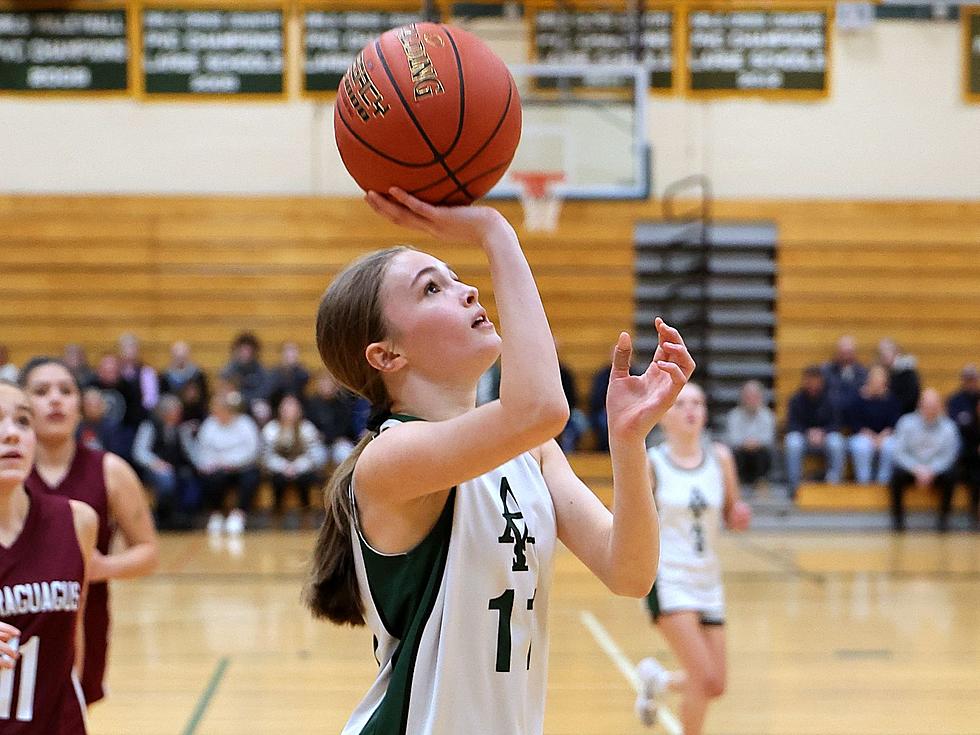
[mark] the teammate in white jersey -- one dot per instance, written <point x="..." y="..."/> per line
<point x="696" y="488"/>
<point x="441" y="525"/>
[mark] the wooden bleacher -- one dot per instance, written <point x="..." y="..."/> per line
<point x="86" y="269"/>
<point x="854" y="498"/>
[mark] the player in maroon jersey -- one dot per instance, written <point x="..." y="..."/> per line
<point x="99" y="479"/>
<point x="42" y="595"/>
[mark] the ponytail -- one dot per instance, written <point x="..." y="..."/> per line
<point x="331" y="591"/>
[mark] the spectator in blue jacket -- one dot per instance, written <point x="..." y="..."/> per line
<point x="812" y="428"/>
<point x="844" y="374"/>
<point x="871" y="416"/>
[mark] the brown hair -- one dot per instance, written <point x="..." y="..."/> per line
<point x="350" y="318"/>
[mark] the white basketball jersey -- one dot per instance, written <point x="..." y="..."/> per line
<point x="690" y="504"/>
<point x="460" y="621"/>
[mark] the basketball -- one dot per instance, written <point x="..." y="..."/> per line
<point x="431" y="109"/>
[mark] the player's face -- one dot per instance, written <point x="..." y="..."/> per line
<point x="689" y="414"/>
<point x="17" y="439"/>
<point x="55" y="400"/>
<point x="436" y="320"/>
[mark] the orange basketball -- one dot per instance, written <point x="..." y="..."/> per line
<point x="430" y="109"/>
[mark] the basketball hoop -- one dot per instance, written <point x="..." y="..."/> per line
<point x="540" y="201"/>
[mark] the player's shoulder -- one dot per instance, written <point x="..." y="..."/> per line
<point x="721" y="451"/>
<point x="86" y="522"/>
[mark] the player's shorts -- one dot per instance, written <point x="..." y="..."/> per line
<point x="708" y="600"/>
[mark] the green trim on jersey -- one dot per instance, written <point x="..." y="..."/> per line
<point x="404" y="588"/>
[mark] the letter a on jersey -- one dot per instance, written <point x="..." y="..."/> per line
<point x="512" y="533"/>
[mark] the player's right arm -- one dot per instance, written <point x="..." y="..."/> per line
<point x="86" y="532"/>
<point x="428" y="457"/>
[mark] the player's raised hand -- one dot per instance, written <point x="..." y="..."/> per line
<point x="474" y="225"/>
<point x="8" y="654"/>
<point x="635" y="403"/>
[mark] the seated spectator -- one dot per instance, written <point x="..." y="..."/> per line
<point x="488" y="389"/>
<point x="844" y="375"/>
<point x="812" y="428"/>
<point x="293" y="454"/>
<point x="903" y="376"/>
<point x="162" y="450"/>
<point x="751" y="434"/>
<point x="577" y="423"/>
<point x="289" y="377"/>
<point x="8" y="371"/>
<point x="124" y="409"/>
<point x="871" y="417"/>
<point x="95" y="430"/>
<point x="133" y="370"/>
<point x="181" y="373"/>
<point x="963" y="408"/>
<point x="331" y="410"/>
<point x="926" y="446"/>
<point x="77" y="362"/>
<point x="227" y="455"/>
<point x="247" y="375"/>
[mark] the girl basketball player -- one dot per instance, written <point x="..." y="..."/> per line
<point x="46" y="543"/>
<point x="99" y="479"/>
<point x="696" y="488"/>
<point x="441" y="526"/>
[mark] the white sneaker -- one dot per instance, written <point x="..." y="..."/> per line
<point x="653" y="683"/>
<point x="235" y="523"/>
<point x="215" y="524"/>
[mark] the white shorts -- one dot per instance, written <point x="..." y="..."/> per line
<point x="671" y="596"/>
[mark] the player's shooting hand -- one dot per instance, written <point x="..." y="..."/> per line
<point x="474" y="225"/>
<point x="8" y="654"/>
<point x="635" y="403"/>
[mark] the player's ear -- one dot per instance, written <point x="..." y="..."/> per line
<point x="383" y="358"/>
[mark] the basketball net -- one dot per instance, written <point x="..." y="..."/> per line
<point x="539" y="200"/>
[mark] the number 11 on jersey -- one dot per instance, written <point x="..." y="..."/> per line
<point x="28" y="675"/>
<point x="504" y="605"/>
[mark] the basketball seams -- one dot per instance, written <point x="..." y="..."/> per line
<point x="459" y="169"/>
<point x="462" y="94"/>
<point x="440" y="159"/>
<point x="362" y="141"/>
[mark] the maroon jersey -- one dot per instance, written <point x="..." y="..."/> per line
<point x="41" y="577"/>
<point x="85" y="481"/>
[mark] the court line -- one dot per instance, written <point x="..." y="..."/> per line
<point x="626" y="667"/>
<point x="202" y="704"/>
<point x="786" y="563"/>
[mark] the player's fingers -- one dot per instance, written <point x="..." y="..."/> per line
<point x="678" y="354"/>
<point x="416" y="205"/>
<point x="7" y="631"/>
<point x="622" y="355"/>
<point x="393" y="211"/>
<point x="673" y="370"/>
<point x="667" y="333"/>
<point x="8" y="651"/>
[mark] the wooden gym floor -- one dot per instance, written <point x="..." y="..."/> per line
<point x="828" y="633"/>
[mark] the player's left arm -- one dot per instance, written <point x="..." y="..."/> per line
<point x="586" y="526"/>
<point x="86" y="531"/>
<point x="131" y="513"/>
<point x="737" y="512"/>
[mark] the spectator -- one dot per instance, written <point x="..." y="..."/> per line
<point x="577" y="422"/>
<point x="123" y="407"/>
<point x="77" y="362"/>
<point x="181" y="373"/>
<point x="227" y="455"/>
<point x="294" y="454"/>
<point x="162" y="450"/>
<point x="871" y="417"/>
<point x="903" y="380"/>
<point x="926" y="447"/>
<point x="597" y="405"/>
<point x="133" y="370"/>
<point x="963" y="408"/>
<point x="812" y="429"/>
<point x="488" y="389"/>
<point x="289" y="378"/>
<point x="95" y="431"/>
<point x="844" y="375"/>
<point x="331" y="410"/>
<point x="245" y="372"/>
<point x="8" y="371"/>
<point x="751" y="432"/>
